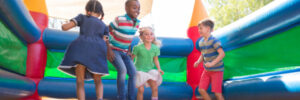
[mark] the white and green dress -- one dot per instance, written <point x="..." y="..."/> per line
<point x="144" y="64"/>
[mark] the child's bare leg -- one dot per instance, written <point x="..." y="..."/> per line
<point x="98" y="86"/>
<point x="219" y="96"/>
<point x="80" y="70"/>
<point x="204" y="94"/>
<point x="154" y="89"/>
<point x="140" y="92"/>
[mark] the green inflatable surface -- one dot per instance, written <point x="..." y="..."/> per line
<point x="174" y="68"/>
<point x="13" y="53"/>
<point x="277" y="53"/>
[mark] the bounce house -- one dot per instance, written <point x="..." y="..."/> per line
<point x="261" y="61"/>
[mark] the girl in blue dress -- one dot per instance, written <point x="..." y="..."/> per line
<point x="85" y="57"/>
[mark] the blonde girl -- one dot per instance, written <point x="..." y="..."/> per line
<point x="146" y="57"/>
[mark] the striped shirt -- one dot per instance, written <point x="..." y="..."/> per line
<point x="123" y="31"/>
<point x="209" y="52"/>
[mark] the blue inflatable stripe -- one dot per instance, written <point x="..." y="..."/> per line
<point x="265" y="74"/>
<point x="172" y="46"/>
<point x="57" y="40"/>
<point x="14" y="87"/>
<point x="281" y="86"/>
<point x="16" y="16"/>
<point x="55" y="87"/>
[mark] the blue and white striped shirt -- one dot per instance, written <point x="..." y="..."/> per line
<point x="209" y="52"/>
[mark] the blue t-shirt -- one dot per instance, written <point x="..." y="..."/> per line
<point x="209" y="52"/>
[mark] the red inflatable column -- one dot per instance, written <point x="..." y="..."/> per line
<point x="36" y="52"/>
<point x="193" y="74"/>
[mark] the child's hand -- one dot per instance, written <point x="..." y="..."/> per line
<point x="209" y="64"/>
<point x="68" y="25"/>
<point x="129" y="53"/>
<point x="105" y="38"/>
<point x="161" y="72"/>
<point x="196" y="64"/>
<point x="110" y="55"/>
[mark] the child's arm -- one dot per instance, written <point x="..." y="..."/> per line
<point x="198" y="61"/>
<point x="110" y="53"/>
<point x="129" y="51"/>
<point x="132" y="56"/>
<point x="156" y="62"/>
<point x="105" y="38"/>
<point x="218" y="59"/>
<point x="134" y="52"/>
<point x="68" y="25"/>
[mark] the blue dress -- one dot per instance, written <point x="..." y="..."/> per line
<point x="89" y="49"/>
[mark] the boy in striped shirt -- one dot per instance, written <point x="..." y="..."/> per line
<point x="212" y="55"/>
<point x="122" y="31"/>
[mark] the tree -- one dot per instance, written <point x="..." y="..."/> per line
<point x="225" y="12"/>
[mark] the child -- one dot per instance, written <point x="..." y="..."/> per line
<point x="146" y="55"/>
<point x="122" y="31"/>
<point x="85" y="57"/>
<point x="212" y="55"/>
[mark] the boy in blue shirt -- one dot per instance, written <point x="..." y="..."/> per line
<point x="211" y="54"/>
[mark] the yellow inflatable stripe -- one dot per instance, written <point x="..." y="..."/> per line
<point x="36" y="6"/>
<point x="199" y="13"/>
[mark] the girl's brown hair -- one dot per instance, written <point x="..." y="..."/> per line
<point x="94" y="6"/>
<point x="207" y="22"/>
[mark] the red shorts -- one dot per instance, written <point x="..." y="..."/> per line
<point x="213" y="77"/>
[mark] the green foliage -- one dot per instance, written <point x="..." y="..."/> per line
<point x="225" y="12"/>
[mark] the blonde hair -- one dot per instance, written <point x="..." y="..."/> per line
<point x="155" y="41"/>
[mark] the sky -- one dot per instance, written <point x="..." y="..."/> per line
<point x="169" y="18"/>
